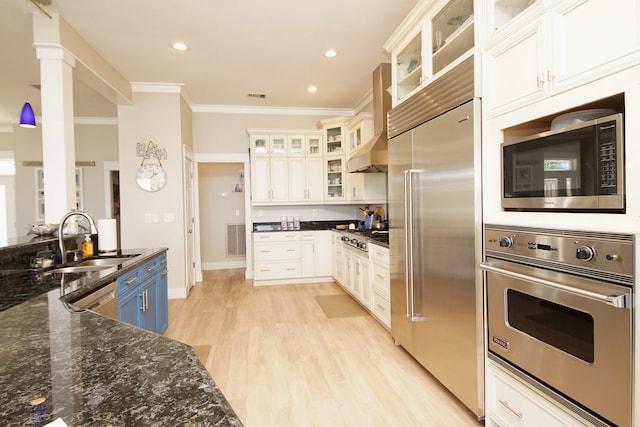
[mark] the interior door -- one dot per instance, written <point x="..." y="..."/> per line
<point x="189" y="223"/>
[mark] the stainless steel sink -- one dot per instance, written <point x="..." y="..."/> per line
<point x="79" y="269"/>
<point x="104" y="261"/>
<point x="94" y="264"/>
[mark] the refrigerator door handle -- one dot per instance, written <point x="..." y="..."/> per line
<point x="408" y="221"/>
<point x="408" y="270"/>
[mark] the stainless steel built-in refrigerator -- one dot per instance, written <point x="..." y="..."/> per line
<point x="436" y="244"/>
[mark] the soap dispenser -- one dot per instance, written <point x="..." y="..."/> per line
<point x="87" y="247"/>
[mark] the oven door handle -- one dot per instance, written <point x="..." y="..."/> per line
<point x="618" y="301"/>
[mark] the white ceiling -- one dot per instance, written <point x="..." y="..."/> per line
<point x="236" y="47"/>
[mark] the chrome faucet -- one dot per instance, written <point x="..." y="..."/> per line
<point x="92" y="224"/>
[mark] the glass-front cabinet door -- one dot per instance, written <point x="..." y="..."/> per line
<point x="451" y="33"/>
<point x="502" y="12"/>
<point x="335" y="141"/>
<point x="296" y="145"/>
<point x="278" y="144"/>
<point x="334" y="171"/>
<point x="409" y="67"/>
<point x="314" y="145"/>
<point x="259" y="145"/>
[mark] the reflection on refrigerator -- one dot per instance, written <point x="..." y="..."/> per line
<point x="435" y="246"/>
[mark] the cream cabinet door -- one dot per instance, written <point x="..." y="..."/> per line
<point x="305" y="179"/>
<point x="516" y="69"/>
<point x="270" y="180"/>
<point x="593" y="38"/>
<point x="323" y="257"/>
<point x="297" y="179"/>
<point x="314" y="179"/>
<point x="279" y="179"/>
<point x="260" y="179"/>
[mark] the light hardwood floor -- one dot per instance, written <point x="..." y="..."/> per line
<point x="281" y="362"/>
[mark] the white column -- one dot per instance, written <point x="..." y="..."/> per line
<point x="58" y="138"/>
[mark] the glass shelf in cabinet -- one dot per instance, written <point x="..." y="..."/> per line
<point x="456" y="45"/>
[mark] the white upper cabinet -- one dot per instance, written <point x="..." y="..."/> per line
<point x="335" y="135"/>
<point x="435" y="37"/>
<point x="452" y="33"/>
<point x="408" y="68"/>
<point x="265" y="144"/>
<point x="502" y="14"/>
<point x="360" y="131"/>
<point x="286" y="166"/>
<point x="550" y="46"/>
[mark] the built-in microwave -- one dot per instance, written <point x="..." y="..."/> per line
<point x="578" y="168"/>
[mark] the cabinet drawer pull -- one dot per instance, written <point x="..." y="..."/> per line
<point x="290" y="250"/>
<point x="513" y="411"/>
<point x="381" y="307"/>
<point x="291" y="269"/>
<point x="131" y="280"/>
<point x="264" y="252"/>
<point x="150" y="268"/>
<point x="379" y="276"/>
<point x="163" y="261"/>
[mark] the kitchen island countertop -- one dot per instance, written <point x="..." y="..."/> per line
<point x="87" y="369"/>
<point x="92" y="370"/>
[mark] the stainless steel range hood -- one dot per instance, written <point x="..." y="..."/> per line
<point x="372" y="155"/>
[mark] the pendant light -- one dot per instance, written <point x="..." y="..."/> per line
<point x="27" y="117"/>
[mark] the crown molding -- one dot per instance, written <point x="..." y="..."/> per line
<point x="148" y="87"/>
<point x="108" y="121"/>
<point x="286" y="111"/>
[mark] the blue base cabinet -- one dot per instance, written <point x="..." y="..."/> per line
<point x="142" y="296"/>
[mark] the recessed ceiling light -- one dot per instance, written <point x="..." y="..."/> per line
<point x="180" y="46"/>
<point x="312" y="89"/>
<point x="330" y="53"/>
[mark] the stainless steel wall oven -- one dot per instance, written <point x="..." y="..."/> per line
<point x="559" y="315"/>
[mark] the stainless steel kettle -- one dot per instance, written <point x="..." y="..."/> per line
<point x="379" y="223"/>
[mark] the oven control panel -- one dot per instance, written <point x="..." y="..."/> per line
<point x="602" y="252"/>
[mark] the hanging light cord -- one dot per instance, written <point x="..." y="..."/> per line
<point x="39" y="6"/>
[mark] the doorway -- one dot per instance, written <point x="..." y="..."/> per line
<point x="223" y="212"/>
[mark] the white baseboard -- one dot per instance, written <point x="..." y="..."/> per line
<point x="298" y="281"/>
<point x="225" y="265"/>
<point x="177" y="293"/>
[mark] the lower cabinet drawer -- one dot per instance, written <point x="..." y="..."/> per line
<point x="129" y="282"/>
<point x="381" y="307"/>
<point x="277" y="270"/>
<point x="511" y="403"/>
<point x="381" y="280"/>
<point x="277" y="251"/>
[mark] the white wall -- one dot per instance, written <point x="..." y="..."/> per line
<point x="94" y="142"/>
<point x="219" y="205"/>
<point x="227" y="132"/>
<point x="158" y="116"/>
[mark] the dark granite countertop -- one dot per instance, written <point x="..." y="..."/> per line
<point x="92" y="370"/>
<point x="17" y="286"/>
<point x="304" y="225"/>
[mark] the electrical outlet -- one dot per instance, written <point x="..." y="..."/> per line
<point x="147" y="217"/>
<point x="156" y="218"/>
<point x="168" y="217"/>
<point x="237" y="212"/>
